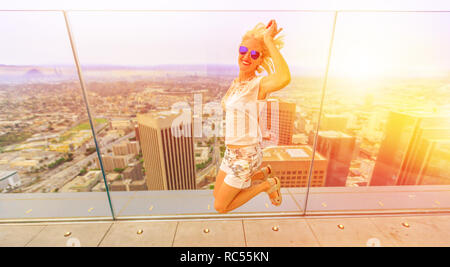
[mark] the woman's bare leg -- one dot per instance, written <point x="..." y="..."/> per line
<point x="219" y="180"/>
<point x="258" y="175"/>
<point x="229" y="198"/>
<point x="225" y="194"/>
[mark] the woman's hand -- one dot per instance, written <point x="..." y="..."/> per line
<point x="271" y="31"/>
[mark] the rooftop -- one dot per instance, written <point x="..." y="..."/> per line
<point x="160" y="119"/>
<point x="290" y="153"/>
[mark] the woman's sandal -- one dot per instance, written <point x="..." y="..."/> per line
<point x="266" y="172"/>
<point x="275" y="193"/>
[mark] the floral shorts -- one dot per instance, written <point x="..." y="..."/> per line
<point x="240" y="164"/>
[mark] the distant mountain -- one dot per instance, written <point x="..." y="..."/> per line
<point x="55" y="73"/>
<point x="34" y="74"/>
<point x="27" y="73"/>
<point x="165" y="67"/>
<point x="95" y="71"/>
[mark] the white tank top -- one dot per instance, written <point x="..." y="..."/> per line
<point x="241" y="118"/>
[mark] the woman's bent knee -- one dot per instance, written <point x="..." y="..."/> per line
<point x="219" y="207"/>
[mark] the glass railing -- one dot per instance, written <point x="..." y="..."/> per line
<point x="48" y="153"/>
<point x="385" y="121"/>
<point x="90" y="98"/>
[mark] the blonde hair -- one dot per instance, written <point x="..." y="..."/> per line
<point x="258" y="33"/>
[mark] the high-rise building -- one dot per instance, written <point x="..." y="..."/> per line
<point x="407" y="135"/>
<point x="112" y="162"/>
<point x="133" y="147"/>
<point x="136" y="132"/>
<point x="168" y="150"/>
<point x="291" y="164"/>
<point x="120" y="149"/>
<point x="428" y="160"/>
<point x="278" y="126"/>
<point x="337" y="148"/>
<point x="126" y="148"/>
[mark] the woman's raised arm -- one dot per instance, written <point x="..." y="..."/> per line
<point x="282" y="76"/>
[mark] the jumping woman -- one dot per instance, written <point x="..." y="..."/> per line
<point x="259" y="49"/>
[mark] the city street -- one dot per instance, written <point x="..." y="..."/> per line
<point x="64" y="174"/>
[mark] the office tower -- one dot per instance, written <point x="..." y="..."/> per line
<point x="291" y="165"/>
<point x="133" y="147"/>
<point x="429" y="159"/>
<point x="405" y="138"/>
<point x="120" y="149"/>
<point x="279" y="123"/>
<point x="333" y="122"/>
<point x="136" y="132"/>
<point x="112" y="162"/>
<point x="126" y="148"/>
<point x="168" y="150"/>
<point x="337" y="148"/>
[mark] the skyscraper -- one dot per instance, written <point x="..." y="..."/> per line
<point x="279" y="125"/>
<point x="112" y="162"/>
<point x="337" y="148"/>
<point x="434" y="169"/>
<point x="126" y="148"/>
<point x="120" y="149"/>
<point x="133" y="147"/>
<point x="428" y="159"/>
<point x="136" y="131"/>
<point x="168" y="151"/>
<point x="407" y="135"/>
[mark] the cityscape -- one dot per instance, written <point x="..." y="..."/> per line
<point x="369" y="115"/>
<point x="373" y="138"/>
<point x="113" y="125"/>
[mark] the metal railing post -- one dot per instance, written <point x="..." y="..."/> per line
<point x="324" y="87"/>
<point x="83" y="90"/>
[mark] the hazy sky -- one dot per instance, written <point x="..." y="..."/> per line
<point x="379" y="44"/>
<point x="34" y="38"/>
<point x="365" y="43"/>
<point x="229" y="4"/>
<point x="194" y="37"/>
